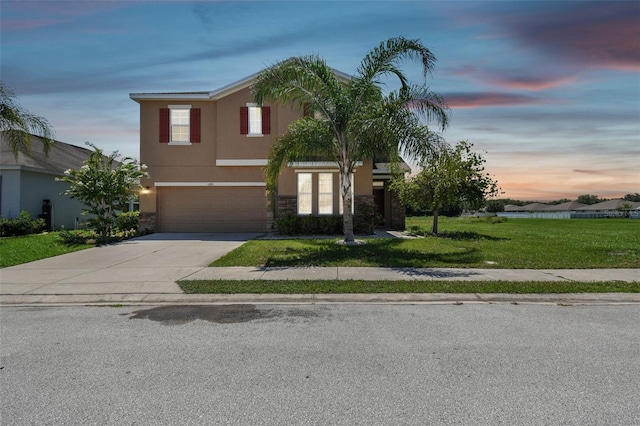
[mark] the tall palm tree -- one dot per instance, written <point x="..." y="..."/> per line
<point x="351" y="120"/>
<point x="18" y="124"/>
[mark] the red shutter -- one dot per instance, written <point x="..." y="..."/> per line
<point x="164" y="125"/>
<point x="266" y="120"/>
<point x="244" y="120"/>
<point x="194" y="125"/>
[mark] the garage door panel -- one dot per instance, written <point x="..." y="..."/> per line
<point x="211" y="209"/>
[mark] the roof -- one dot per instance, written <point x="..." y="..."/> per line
<point x="214" y="94"/>
<point x="385" y="168"/>
<point x="62" y="156"/>
<point x="612" y="205"/>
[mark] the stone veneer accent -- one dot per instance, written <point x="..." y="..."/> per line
<point x="147" y="222"/>
<point x="397" y="222"/>
<point x="286" y="204"/>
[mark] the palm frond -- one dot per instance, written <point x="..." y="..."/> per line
<point x="19" y="124"/>
<point x="305" y="138"/>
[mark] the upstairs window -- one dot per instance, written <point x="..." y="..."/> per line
<point x="255" y="120"/>
<point x="180" y="125"/>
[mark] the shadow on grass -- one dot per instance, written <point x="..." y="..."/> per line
<point x="467" y="235"/>
<point x="377" y="253"/>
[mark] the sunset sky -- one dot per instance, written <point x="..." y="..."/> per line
<point x="549" y="89"/>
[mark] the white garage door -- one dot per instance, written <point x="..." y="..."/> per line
<point x="206" y="209"/>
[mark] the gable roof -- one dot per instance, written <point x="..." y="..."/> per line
<point x="214" y="94"/>
<point x="62" y="156"/>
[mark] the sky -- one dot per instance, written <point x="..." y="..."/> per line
<point x="547" y="91"/>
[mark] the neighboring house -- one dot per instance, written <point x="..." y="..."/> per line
<point x="206" y="153"/>
<point x="538" y="207"/>
<point x="27" y="182"/>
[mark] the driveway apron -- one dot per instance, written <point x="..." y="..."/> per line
<point x="149" y="264"/>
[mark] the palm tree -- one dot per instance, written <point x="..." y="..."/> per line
<point x="18" y="124"/>
<point x="352" y="119"/>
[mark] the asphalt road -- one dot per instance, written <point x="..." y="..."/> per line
<point x="321" y="364"/>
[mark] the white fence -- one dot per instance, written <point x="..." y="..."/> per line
<point x="619" y="214"/>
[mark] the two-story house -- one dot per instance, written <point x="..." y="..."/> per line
<point x="206" y="153"/>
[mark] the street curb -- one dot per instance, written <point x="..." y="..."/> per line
<point x="373" y="298"/>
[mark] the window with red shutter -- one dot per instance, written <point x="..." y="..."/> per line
<point x="194" y="131"/>
<point x="244" y="120"/>
<point x="164" y="125"/>
<point x="266" y="120"/>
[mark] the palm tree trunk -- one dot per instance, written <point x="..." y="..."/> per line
<point x="347" y="216"/>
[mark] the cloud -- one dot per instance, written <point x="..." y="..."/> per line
<point x="596" y="34"/>
<point x="531" y="83"/>
<point x="490" y="99"/>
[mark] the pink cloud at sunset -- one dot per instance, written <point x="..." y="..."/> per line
<point x="537" y="83"/>
<point x="481" y="100"/>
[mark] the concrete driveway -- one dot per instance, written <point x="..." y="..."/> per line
<point x="145" y="265"/>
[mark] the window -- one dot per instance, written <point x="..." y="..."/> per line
<point x="180" y="125"/>
<point x="304" y="193"/>
<point x="325" y="193"/>
<point x="255" y="120"/>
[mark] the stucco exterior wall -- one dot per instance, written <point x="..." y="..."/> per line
<point x="25" y="190"/>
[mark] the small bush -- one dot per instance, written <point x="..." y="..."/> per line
<point x="291" y="224"/>
<point x="287" y="224"/>
<point x="128" y="221"/>
<point x="24" y="224"/>
<point x="73" y="238"/>
<point x="90" y="236"/>
<point x="308" y="225"/>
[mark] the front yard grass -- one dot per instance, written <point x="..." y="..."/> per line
<point x="27" y="248"/>
<point x="466" y="243"/>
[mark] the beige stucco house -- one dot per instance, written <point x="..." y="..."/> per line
<point x="206" y="153"/>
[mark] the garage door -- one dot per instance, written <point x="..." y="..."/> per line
<point x="198" y="209"/>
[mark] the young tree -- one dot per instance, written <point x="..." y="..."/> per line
<point x="451" y="176"/>
<point x="105" y="186"/>
<point x="351" y="120"/>
<point x="19" y="124"/>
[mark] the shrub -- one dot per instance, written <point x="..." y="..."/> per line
<point x="308" y="225"/>
<point x="291" y="224"/>
<point x="24" y="224"/>
<point x="128" y="221"/>
<point x="329" y="225"/>
<point x="287" y="224"/>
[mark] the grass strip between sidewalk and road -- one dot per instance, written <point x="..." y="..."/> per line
<point x="360" y="286"/>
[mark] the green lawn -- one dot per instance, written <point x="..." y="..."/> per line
<point x="18" y="250"/>
<point x="465" y="242"/>
<point x="382" y="286"/>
